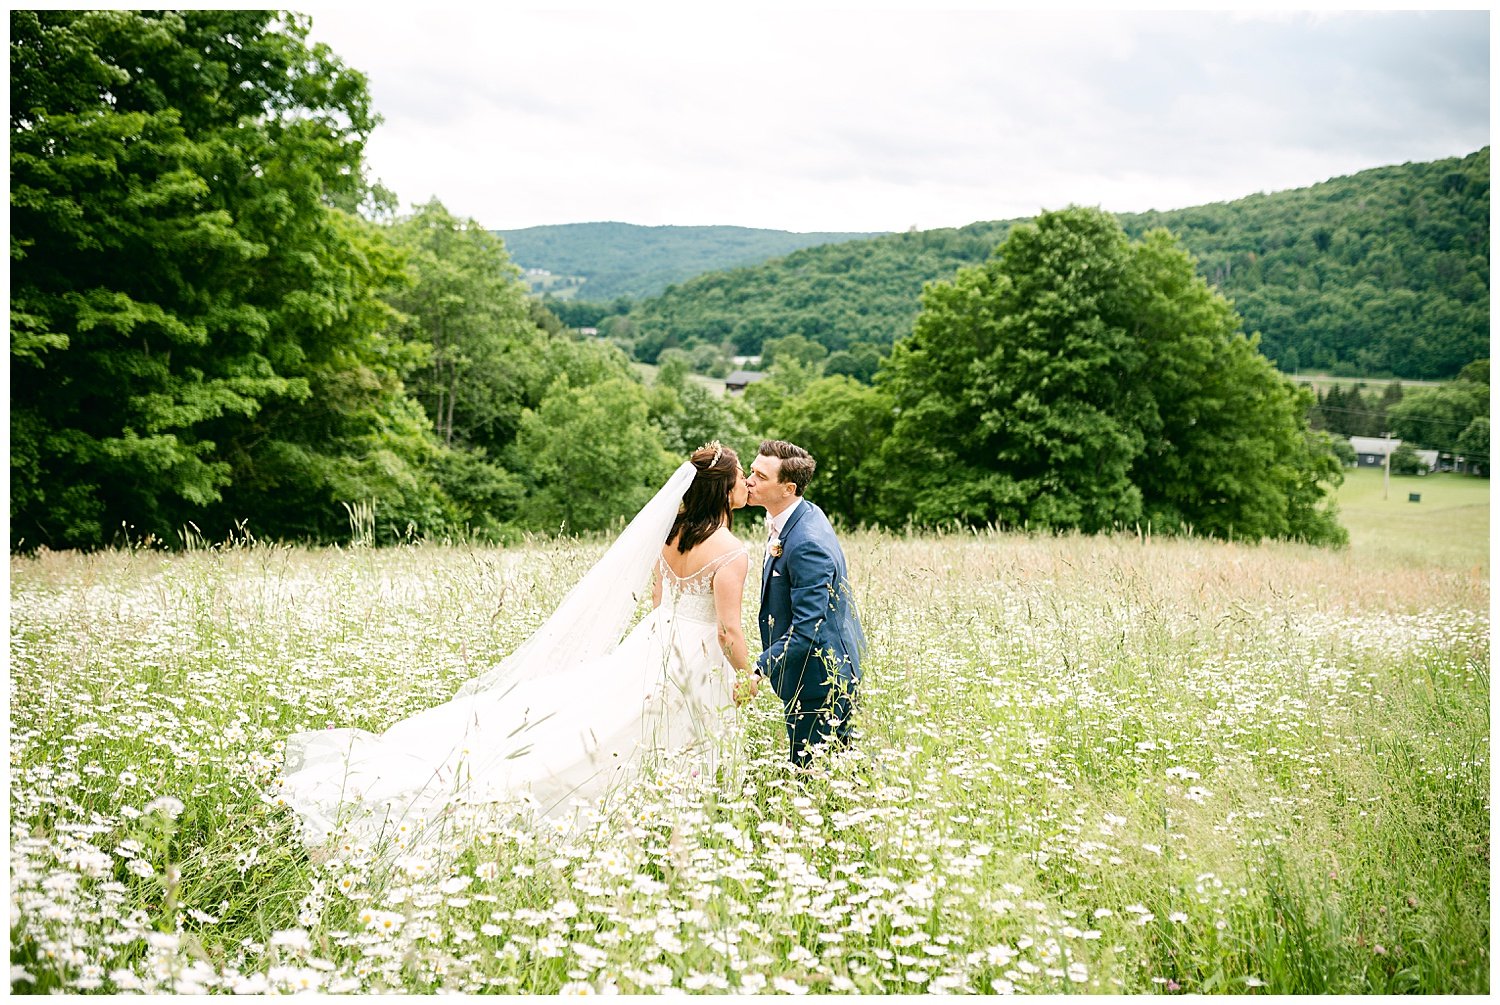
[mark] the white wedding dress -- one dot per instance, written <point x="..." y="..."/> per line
<point x="557" y="728"/>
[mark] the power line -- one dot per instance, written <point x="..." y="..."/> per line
<point x="1383" y="414"/>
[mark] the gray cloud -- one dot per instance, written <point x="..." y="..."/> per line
<point x="827" y="120"/>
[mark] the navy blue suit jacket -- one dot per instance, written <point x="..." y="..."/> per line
<point x="809" y="623"/>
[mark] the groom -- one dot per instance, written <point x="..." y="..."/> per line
<point x="809" y="627"/>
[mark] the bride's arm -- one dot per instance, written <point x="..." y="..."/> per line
<point x="656" y="584"/>
<point x="729" y="594"/>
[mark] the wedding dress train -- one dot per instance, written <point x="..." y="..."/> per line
<point x="562" y="724"/>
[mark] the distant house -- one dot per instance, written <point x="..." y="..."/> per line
<point x="1370" y="451"/>
<point x="588" y="331"/>
<point x="741" y="379"/>
<point x="1463" y="465"/>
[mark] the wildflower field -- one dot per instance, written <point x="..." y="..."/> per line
<point x="1106" y="764"/>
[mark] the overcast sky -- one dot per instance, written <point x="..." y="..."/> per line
<point x="841" y="120"/>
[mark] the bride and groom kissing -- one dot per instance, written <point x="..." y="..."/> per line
<point x="567" y="719"/>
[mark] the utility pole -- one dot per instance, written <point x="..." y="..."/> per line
<point x="1387" y="493"/>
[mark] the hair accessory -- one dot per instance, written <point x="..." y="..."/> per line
<point x="718" y="451"/>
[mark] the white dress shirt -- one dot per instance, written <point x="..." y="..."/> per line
<point x="777" y="522"/>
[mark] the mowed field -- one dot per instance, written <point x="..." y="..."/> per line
<point x="1088" y="765"/>
<point x="1449" y="525"/>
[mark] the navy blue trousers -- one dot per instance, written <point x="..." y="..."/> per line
<point x="827" y="724"/>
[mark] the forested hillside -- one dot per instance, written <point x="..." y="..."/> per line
<point x="1385" y="272"/>
<point x="626" y="260"/>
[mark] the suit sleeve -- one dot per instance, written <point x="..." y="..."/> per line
<point x="812" y="570"/>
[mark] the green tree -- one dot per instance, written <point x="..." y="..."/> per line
<point x="1079" y="380"/>
<point x="543" y="318"/>
<point x="1359" y="417"/>
<point x="488" y="358"/>
<point x="583" y="313"/>
<point x="197" y="325"/>
<point x="710" y="359"/>
<point x="860" y="361"/>
<point x="784" y="379"/>
<point x="1474" y="441"/>
<point x="1018" y="391"/>
<point x="795" y="346"/>
<point x="1334" y="411"/>
<point x="591" y="456"/>
<point x="842" y="423"/>
<point x="1437" y="417"/>
<point x="355" y="436"/>
<point x="1228" y="450"/>
<point x="1404" y="461"/>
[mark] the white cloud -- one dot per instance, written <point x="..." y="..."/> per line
<point x="853" y="120"/>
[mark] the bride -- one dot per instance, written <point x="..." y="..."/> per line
<point x="575" y="711"/>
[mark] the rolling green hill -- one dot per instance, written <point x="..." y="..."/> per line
<point x="1385" y="272"/>
<point x="624" y="260"/>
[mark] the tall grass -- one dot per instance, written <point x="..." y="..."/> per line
<point x="1084" y="764"/>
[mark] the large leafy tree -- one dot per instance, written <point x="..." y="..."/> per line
<point x="1228" y="451"/>
<point x="592" y="455"/>
<point x="488" y="357"/>
<point x="1081" y="380"/>
<point x="197" y="324"/>
<point x="1018" y="391"/>
<point x="1474" y="441"/>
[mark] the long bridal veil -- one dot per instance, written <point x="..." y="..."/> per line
<point x="464" y="751"/>
<point x="595" y="613"/>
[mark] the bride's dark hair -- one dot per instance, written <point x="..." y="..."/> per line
<point x="706" y="505"/>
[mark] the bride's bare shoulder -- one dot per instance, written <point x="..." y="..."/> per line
<point x="723" y="546"/>
<point x="719" y="549"/>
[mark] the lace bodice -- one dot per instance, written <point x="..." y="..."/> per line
<point x="693" y="596"/>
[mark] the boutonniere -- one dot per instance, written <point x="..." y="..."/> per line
<point x="776" y="550"/>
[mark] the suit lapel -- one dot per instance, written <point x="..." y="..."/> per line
<point x="795" y="518"/>
<point x="765" y="579"/>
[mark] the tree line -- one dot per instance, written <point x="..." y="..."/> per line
<point x="1382" y="273"/>
<point x="219" y="323"/>
<point x="1453" y="418"/>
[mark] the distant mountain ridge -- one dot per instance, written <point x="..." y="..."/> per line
<point x="1380" y="273"/>
<point x="628" y="260"/>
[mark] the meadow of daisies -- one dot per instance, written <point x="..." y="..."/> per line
<point x="1084" y="765"/>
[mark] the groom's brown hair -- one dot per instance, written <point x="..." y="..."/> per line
<point x="797" y="465"/>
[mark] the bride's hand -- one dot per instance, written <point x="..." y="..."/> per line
<point x="746" y="687"/>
